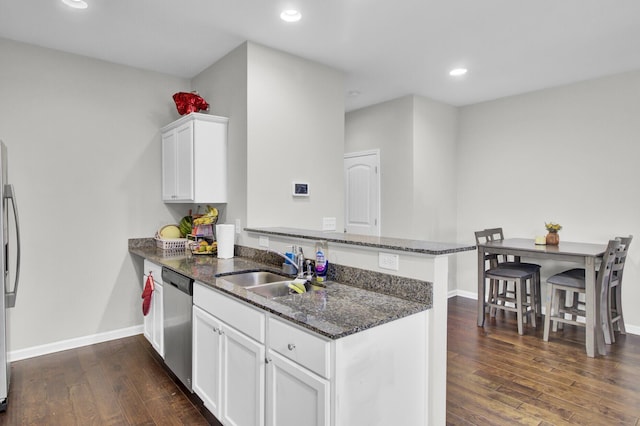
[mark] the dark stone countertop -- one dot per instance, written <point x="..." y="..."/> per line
<point x="413" y="246"/>
<point x="335" y="312"/>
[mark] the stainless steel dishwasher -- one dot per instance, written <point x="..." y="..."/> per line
<point x="178" y="306"/>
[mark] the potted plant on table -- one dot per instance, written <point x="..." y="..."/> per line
<point x="553" y="239"/>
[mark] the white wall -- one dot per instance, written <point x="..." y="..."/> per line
<point x="84" y="148"/>
<point x="417" y="141"/>
<point x="568" y="155"/>
<point x="295" y="131"/>
<point x="434" y="178"/>
<point x="388" y="126"/>
<point x="224" y="86"/>
<point x="286" y="123"/>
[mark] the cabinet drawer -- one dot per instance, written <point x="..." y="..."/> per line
<point x="238" y="315"/>
<point x="155" y="269"/>
<point x="300" y="346"/>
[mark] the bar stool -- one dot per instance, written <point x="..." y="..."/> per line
<point x="612" y="305"/>
<point x="517" y="299"/>
<point x="572" y="283"/>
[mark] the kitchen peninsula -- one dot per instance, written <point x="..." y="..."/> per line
<point x="383" y="335"/>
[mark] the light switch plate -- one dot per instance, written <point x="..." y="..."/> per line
<point x="238" y="223"/>
<point x="264" y="242"/>
<point x="328" y="223"/>
<point x="389" y="261"/>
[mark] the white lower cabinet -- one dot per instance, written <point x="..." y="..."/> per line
<point x="252" y="368"/>
<point x="242" y="379"/>
<point x="207" y="359"/>
<point x="153" y="321"/>
<point x="228" y="366"/>
<point x="298" y="370"/>
<point x="295" y="396"/>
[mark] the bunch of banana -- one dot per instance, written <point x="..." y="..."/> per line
<point x="208" y="218"/>
<point x="205" y="247"/>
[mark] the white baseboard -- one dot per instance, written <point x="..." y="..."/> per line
<point x="74" y="343"/>
<point x="462" y="293"/>
<point x="631" y="329"/>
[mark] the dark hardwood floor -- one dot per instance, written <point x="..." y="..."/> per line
<point x="121" y="382"/>
<point x="494" y="377"/>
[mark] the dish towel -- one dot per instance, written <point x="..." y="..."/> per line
<point x="146" y="294"/>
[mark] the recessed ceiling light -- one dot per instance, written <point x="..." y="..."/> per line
<point x="353" y="93"/>
<point x="291" y="15"/>
<point x="76" y="4"/>
<point x="458" y="72"/>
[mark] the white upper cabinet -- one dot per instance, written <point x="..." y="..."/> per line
<point x="194" y="159"/>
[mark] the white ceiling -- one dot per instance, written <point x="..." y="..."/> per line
<point x="387" y="48"/>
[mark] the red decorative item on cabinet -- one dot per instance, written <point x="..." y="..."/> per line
<point x="189" y="102"/>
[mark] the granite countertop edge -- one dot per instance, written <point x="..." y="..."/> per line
<point x="413" y="246"/>
<point x="337" y="311"/>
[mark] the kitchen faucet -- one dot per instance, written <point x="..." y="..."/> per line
<point x="297" y="262"/>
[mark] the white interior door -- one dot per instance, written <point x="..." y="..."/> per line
<point x="362" y="192"/>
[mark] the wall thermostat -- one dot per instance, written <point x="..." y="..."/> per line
<point x="300" y="189"/>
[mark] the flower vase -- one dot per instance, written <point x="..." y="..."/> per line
<point x="553" y="239"/>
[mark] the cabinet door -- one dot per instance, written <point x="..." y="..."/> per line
<point x="148" y="319"/>
<point x="177" y="164"/>
<point x="153" y="327"/>
<point x="207" y="359"/>
<point x="169" y="162"/>
<point x="243" y="380"/>
<point x="157" y="303"/>
<point x="184" y="162"/>
<point x="295" y="395"/>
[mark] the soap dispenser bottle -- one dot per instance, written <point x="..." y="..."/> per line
<point x="322" y="264"/>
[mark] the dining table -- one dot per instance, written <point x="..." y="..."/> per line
<point x="585" y="255"/>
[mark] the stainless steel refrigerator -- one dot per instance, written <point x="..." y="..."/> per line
<point x="6" y="264"/>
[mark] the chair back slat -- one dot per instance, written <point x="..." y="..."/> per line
<point x="606" y="267"/>
<point x="621" y="257"/>
<point x="490" y="235"/>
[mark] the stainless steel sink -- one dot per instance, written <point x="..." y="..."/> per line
<point x="279" y="289"/>
<point x="255" y="278"/>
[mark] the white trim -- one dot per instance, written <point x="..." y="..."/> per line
<point x="375" y="152"/>
<point x="632" y="329"/>
<point x="462" y="293"/>
<point x="77" y="342"/>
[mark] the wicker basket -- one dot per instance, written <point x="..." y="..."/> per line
<point x="174" y="244"/>
<point x="168" y="254"/>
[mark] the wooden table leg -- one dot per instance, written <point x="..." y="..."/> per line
<point x="481" y="295"/>
<point x="594" y="337"/>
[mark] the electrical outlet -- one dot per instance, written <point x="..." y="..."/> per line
<point x="328" y="223"/>
<point x="238" y="223"/>
<point x="264" y="242"/>
<point x="389" y="261"/>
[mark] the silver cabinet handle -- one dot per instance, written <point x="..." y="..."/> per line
<point x="291" y="346"/>
<point x="9" y="193"/>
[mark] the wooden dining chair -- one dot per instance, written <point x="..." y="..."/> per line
<point x="612" y="304"/>
<point x="501" y="272"/>
<point x="571" y="284"/>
